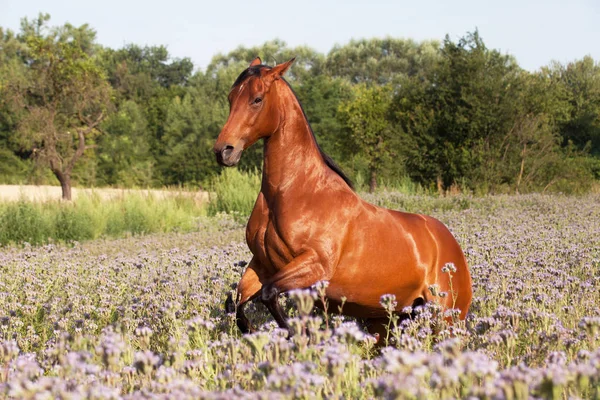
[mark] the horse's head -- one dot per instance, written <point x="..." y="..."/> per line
<point x="254" y="111"/>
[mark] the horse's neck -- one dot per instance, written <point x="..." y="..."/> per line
<point x="291" y="156"/>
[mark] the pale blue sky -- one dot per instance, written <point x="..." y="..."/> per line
<point x="534" y="31"/>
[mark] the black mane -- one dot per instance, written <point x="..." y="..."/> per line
<point x="252" y="71"/>
<point x="248" y="72"/>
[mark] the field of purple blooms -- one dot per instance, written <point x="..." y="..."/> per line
<point x="143" y="317"/>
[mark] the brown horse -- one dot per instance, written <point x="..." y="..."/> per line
<point x="309" y="225"/>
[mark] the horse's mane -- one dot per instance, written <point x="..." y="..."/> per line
<point x="255" y="70"/>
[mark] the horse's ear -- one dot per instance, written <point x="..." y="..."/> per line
<point x="278" y="71"/>
<point x="255" y="62"/>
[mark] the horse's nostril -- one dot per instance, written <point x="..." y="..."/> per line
<point x="226" y="152"/>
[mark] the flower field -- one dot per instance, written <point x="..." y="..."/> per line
<point x="143" y="317"/>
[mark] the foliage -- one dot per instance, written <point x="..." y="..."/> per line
<point x="59" y="99"/>
<point x="13" y="170"/>
<point x="581" y="81"/>
<point x="381" y="61"/>
<point x="478" y="121"/>
<point x="235" y="192"/>
<point x="91" y="217"/>
<point x="321" y="97"/>
<point x="192" y="124"/>
<point x="124" y="155"/>
<point x="461" y="116"/>
<point x="308" y="61"/>
<point x="366" y="115"/>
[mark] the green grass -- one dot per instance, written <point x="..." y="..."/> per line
<point x="91" y="217"/>
<point x="234" y="192"/>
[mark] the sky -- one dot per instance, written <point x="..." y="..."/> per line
<point x="536" y="32"/>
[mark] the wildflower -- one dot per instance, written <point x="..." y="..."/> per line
<point x="449" y="267"/>
<point x="8" y="351"/>
<point x="434" y="289"/>
<point x="389" y="303"/>
<point x="145" y="361"/>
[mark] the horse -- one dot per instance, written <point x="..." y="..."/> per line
<point x="309" y="225"/>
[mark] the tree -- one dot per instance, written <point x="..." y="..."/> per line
<point x="137" y="73"/>
<point x="124" y="156"/>
<point x="321" y="97"/>
<point x="149" y="78"/>
<point x="381" y="61"/>
<point x="581" y="82"/>
<point x="191" y="125"/>
<point x="13" y="165"/>
<point x="308" y="61"/>
<point x="459" y="114"/>
<point x="60" y="100"/>
<point x="367" y="117"/>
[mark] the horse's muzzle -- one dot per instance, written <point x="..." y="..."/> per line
<point x="227" y="155"/>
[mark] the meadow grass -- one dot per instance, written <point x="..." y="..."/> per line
<point x="91" y="217"/>
<point x="234" y="192"/>
<point x="142" y="317"/>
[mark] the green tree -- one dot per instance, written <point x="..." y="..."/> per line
<point x="148" y="77"/>
<point x="308" y="61"/>
<point x="367" y="117"/>
<point x="321" y="97"/>
<point x="457" y="117"/>
<point x="14" y="165"/>
<point x="124" y="154"/>
<point x="581" y="82"/>
<point x="188" y="157"/>
<point x="60" y="99"/>
<point x="136" y="72"/>
<point x="381" y="61"/>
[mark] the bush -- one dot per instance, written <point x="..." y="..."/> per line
<point x="73" y="223"/>
<point x="23" y="221"/>
<point x="235" y="192"/>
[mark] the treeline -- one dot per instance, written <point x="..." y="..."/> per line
<point x="444" y="115"/>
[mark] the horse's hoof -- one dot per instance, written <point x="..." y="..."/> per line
<point x="229" y="304"/>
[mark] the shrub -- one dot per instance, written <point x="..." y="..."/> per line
<point x="235" y="192"/>
<point x="72" y="222"/>
<point x="23" y="221"/>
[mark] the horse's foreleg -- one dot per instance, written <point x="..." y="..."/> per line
<point x="248" y="288"/>
<point x="302" y="272"/>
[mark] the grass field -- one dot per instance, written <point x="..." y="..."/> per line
<point x="46" y="192"/>
<point x="37" y="217"/>
<point x="142" y="317"/>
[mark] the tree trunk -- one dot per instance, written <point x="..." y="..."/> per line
<point x="522" y="168"/>
<point x="65" y="184"/>
<point x="373" y="180"/>
<point x="66" y="188"/>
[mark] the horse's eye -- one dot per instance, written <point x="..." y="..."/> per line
<point x="257" y="100"/>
